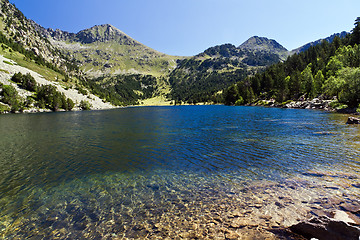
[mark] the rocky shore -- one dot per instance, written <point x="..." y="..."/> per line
<point x="316" y="103"/>
<point x="339" y="226"/>
<point x="313" y="104"/>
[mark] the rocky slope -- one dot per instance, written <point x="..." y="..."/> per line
<point x="15" y="26"/>
<point x="23" y="49"/>
<point x="9" y="68"/>
<point x="105" y="50"/>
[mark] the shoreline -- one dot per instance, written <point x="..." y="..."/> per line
<point x="315" y="104"/>
<point x="298" y="105"/>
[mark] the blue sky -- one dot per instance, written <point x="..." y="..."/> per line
<point x="188" y="27"/>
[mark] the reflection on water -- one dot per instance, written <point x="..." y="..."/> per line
<point x="199" y="171"/>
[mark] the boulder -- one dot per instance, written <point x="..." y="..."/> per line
<point x="326" y="228"/>
<point x="353" y="120"/>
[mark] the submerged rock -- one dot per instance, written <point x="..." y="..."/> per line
<point x="353" y="120"/>
<point x="326" y="228"/>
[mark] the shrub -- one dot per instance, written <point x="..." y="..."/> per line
<point x="26" y="82"/>
<point x="49" y="97"/>
<point x="10" y="97"/>
<point x="4" y="108"/>
<point x="81" y="90"/>
<point x="85" y="105"/>
<point x="337" y="105"/>
<point x="239" y="102"/>
<point x="69" y="104"/>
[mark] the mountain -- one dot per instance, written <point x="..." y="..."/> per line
<point x="202" y="77"/>
<point x="256" y="43"/>
<point x="105" y="50"/>
<point x="330" y="39"/>
<point x="250" y="57"/>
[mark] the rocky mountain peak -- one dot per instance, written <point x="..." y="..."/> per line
<point x="262" y="44"/>
<point x="104" y="33"/>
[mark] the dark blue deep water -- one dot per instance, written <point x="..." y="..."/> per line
<point x="50" y="160"/>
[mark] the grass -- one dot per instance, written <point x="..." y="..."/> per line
<point x="7" y="62"/>
<point x="20" y="59"/>
<point x="124" y="59"/>
<point x="156" y="101"/>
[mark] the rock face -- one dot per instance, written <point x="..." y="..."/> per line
<point x="57" y="34"/>
<point x="353" y="120"/>
<point x="14" y="25"/>
<point x="325" y="228"/>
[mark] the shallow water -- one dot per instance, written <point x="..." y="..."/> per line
<point x="157" y="172"/>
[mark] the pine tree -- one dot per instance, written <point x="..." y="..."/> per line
<point x="355" y="37"/>
<point x="307" y="82"/>
<point x="318" y="82"/>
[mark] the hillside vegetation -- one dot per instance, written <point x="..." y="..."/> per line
<point x="324" y="71"/>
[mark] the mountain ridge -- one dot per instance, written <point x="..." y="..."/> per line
<point x="97" y="33"/>
<point x="316" y="42"/>
<point x="105" y="50"/>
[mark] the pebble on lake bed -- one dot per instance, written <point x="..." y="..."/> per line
<point x="203" y="209"/>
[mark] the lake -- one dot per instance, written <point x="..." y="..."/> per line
<point x="181" y="171"/>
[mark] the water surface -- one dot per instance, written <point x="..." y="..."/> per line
<point x="158" y="172"/>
